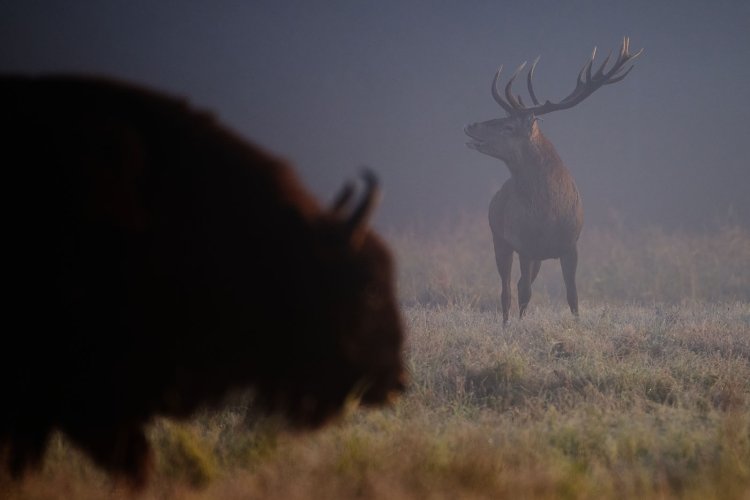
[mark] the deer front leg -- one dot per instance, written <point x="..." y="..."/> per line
<point x="504" y="261"/>
<point x="569" y="264"/>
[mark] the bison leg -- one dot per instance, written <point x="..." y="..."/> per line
<point x="569" y="263"/>
<point x="26" y="450"/>
<point x="524" y="283"/>
<point x="504" y="261"/>
<point x="120" y="449"/>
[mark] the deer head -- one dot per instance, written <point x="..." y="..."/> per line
<point x="508" y="138"/>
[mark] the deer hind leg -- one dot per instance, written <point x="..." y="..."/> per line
<point x="569" y="263"/>
<point x="528" y="266"/>
<point x="536" y="265"/>
<point x="504" y="261"/>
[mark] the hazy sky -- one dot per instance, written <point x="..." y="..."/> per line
<point x="338" y="84"/>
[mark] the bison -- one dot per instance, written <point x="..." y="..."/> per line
<point x="155" y="261"/>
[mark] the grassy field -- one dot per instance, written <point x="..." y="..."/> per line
<point x="647" y="395"/>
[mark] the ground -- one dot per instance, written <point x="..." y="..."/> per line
<point x="646" y="395"/>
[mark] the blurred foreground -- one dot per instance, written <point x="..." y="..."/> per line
<point x="647" y="395"/>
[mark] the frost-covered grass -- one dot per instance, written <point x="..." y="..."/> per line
<point x="647" y="395"/>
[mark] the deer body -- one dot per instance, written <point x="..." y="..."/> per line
<point x="538" y="210"/>
<point x="537" y="213"/>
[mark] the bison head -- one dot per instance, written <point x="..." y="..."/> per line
<point x="348" y="292"/>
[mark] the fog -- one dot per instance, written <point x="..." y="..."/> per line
<point x="391" y="84"/>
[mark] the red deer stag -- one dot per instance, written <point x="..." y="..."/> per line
<point x="537" y="212"/>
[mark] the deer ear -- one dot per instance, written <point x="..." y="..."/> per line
<point x="531" y="123"/>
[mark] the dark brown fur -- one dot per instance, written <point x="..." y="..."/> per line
<point x="155" y="261"/>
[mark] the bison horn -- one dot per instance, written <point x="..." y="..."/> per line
<point x="356" y="225"/>
<point x="342" y="200"/>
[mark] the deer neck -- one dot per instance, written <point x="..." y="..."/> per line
<point x="535" y="164"/>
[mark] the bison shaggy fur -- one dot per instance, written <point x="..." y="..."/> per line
<point x="154" y="261"/>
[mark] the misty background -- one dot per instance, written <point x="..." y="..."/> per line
<point x="336" y="85"/>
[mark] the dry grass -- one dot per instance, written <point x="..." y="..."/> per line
<point x="646" y="396"/>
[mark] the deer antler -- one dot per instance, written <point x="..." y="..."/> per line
<point x="586" y="84"/>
